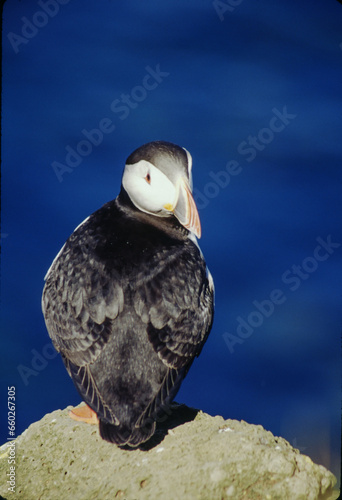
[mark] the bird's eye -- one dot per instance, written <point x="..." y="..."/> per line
<point x="148" y="178"/>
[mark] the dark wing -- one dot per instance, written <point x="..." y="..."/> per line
<point x="80" y="302"/>
<point x="177" y="306"/>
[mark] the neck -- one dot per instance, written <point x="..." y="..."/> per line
<point x="169" y="225"/>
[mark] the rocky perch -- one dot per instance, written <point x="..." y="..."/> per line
<point x="192" y="456"/>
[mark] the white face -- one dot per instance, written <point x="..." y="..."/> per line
<point x="149" y="189"/>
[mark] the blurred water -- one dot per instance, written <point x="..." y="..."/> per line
<point x="220" y="84"/>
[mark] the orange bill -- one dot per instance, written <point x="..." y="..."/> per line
<point x="185" y="209"/>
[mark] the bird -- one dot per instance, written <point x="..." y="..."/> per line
<point x="128" y="301"/>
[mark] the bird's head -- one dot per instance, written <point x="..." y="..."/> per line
<point x="158" y="180"/>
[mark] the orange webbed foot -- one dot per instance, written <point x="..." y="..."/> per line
<point x="84" y="414"/>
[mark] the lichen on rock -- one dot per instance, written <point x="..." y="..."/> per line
<point x="192" y="456"/>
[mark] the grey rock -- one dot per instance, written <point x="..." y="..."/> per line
<point x="192" y="456"/>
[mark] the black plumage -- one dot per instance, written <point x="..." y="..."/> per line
<point x="128" y="302"/>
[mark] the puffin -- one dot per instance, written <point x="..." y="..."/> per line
<point x="128" y="301"/>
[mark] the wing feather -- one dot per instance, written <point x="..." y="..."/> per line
<point x="89" y="392"/>
<point x="178" y="312"/>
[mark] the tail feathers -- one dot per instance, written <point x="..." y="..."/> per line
<point x="122" y="435"/>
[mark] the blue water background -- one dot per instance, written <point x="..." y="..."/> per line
<point x="223" y="81"/>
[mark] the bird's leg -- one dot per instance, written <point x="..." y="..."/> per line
<point x="84" y="414"/>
